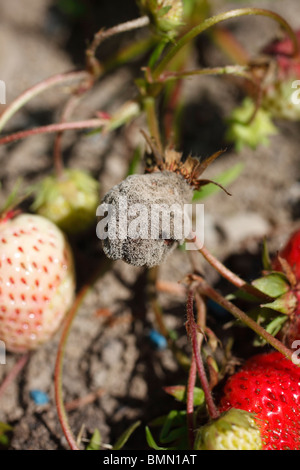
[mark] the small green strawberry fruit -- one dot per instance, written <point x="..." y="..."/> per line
<point x="278" y="89"/>
<point x="70" y="200"/>
<point x="277" y="100"/>
<point x="165" y="15"/>
<point x="244" y="131"/>
<point x="234" y="430"/>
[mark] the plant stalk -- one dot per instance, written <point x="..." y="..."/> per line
<point x="208" y="23"/>
<point x="40" y="87"/>
<point x="16" y="369"/>
<point x="153" y="125"/>
<point x="61" y="410"/>
<point x="207" y="290"/>
<point x="63" y="126"/>
<point x="93" y="64"/>
<point x="192" y="331"/>
<point x="229" y="275"/>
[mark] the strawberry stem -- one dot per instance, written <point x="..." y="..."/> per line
<point x="192" y="331"/>
<point x="16" y="369"/>
<point x="93" y="64"/>
<point x="61" y="410"/>
<point x="207" y="290"/>
<point x="229" y="275"/>
<point x="190" y="401"/>
<point x="63" y="126"/>
<point x="149" y="106"/>
<point x="40" y="87"/>
<point x="201" y="320"/>
<point x="238" y="70"/>
<point x="209" y="22"/>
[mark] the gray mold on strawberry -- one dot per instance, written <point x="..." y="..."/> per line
<point x="137" y="197"/>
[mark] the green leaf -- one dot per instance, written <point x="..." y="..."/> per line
<point x="272" y="325"/>
<point x="273" y="284"/>
<point x="174" y="418"/>
<point x="156" y="54"/>
<point x="151" y="442"/>
<point x="286" y="303"/>
<point x="174" y="435"/>
<point x="95" y="442"/>
<point x="5" y="429"/>
<point x="275" y="325"/>
<point x="225" y="178"/>
<point x="179" y="393"/>
<point x="173" y="430"/>
<point x="242" y="295"/>
<point x="125" y="436"/>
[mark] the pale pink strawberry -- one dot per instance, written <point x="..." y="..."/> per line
<point x="36" y="281"/>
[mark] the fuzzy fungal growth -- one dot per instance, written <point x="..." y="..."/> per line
<point x="146" y="216"/>
<point x="139" y="203"/>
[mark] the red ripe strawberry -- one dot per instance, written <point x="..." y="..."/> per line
<point x="268" y="385"/>
<point x="36" y="281"/>
<point x="291" y="253"/>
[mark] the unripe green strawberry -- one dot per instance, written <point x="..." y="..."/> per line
<point x="278" y="87"/>
<point x="165" y="15"/>
<point x="234" y="430"/>
<point x="37" y="282"/>
<point x="246" y="132"/>
<point x="277" y="100"/>
<point x="69" y="200"/>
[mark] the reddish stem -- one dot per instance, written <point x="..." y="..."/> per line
<point x="83" y="401"/>
<point x="192" y="329"/>
<point x="61" y="410"/>
<point x="40" y="87"/>
<point x="208" y="291"/>
<point x="227" y="274"/>
<point x="190" y="401"/>
<point x="88" y="124"/>
<point x="57" y="155"/>
<point x="16" y="369"/>
<point x="93" y="64"/>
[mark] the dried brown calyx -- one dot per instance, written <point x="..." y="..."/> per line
<point x="191" y="168"/>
